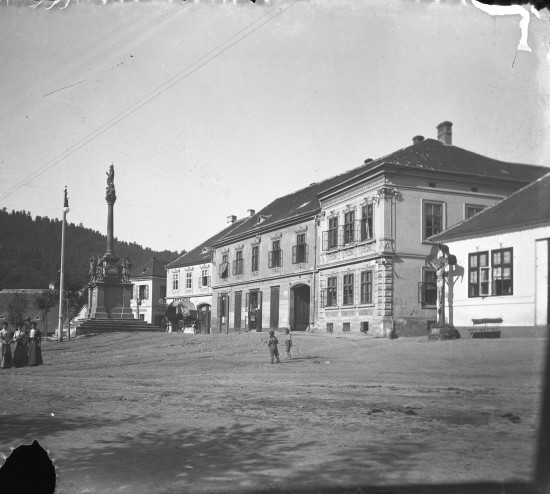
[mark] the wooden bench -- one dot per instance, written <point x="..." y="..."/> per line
<point x="485" y="328"/>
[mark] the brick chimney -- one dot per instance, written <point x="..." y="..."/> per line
<point x="445" y="133"/>
<point x="231" y="219"/>
<point x="250" y="212"/>
<point x="418" y="139"/>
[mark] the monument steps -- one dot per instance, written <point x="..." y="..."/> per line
<point x="88" y="326"/>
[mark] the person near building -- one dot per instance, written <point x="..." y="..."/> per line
<point x="35" y="346"/>
<point x="272" y="343"/>
<point x="20" y="354"/>
<point x="288" y="343"/>
<point x="5" y="348"/>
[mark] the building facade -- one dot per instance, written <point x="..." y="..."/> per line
<point x="351" y="253"/>
<point x="190" y="276"/>
<point x="149" y="292"/>
<point x="503" y="261"/>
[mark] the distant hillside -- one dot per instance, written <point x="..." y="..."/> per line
<point x="30" y="251"/>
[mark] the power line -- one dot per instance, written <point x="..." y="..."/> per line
<point x="152" y="95"/>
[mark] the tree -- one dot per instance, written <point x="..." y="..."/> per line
<point x="45" y="301"/>
<point x="17" y="308"/>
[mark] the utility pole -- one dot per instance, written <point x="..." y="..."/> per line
<point x="62" y="273"/>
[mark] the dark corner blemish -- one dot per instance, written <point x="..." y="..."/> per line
<point x="27" y="470"/>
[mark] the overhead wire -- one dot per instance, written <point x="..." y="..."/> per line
<point x="152" y="95"/>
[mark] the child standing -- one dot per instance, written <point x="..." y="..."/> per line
<point x="288" y="343"/>
<point x="272" y="345"/>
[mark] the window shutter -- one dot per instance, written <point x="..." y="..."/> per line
<point x="280" y="258"/>
<point x="294" y="250"/>
<point x="199" y="282"/>
<point x="307" y="252"/>
<point x="208" y="282"/>
<point x="339" y="290"/>
<point x="421" y="297"/>
<point x="325" y="240"/>
<point x="146" y="292"/>
<point x="270" y="259"/>
<point x="324" y="297"/>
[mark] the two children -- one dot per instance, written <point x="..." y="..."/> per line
<point x="273" y="342"/>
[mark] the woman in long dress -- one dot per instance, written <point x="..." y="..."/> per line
<point x="35" y="343"/>
<point x="20" y="354"/>
<point x="5" y="348"/>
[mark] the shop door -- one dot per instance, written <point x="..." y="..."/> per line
<point x="274" y="308"/>
<point x="301" y="308"/>
<point x="238" y="305"/>
<point x="255" y="310"/>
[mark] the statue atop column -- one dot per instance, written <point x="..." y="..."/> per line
<point x="110" y="196"/>
<point x="125" y="267"/>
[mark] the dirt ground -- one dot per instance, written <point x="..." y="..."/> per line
<point x="171" y="413"/>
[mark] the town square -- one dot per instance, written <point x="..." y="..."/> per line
<point x="274" y="246"/>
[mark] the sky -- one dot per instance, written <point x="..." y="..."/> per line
<point x="209" y="108"/>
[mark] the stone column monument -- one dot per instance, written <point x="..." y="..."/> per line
<point x="109" y="289"/>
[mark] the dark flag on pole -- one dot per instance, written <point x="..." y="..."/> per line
<point x="66" y="203"/>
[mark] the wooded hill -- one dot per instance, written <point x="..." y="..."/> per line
<point x="30" y="251"/>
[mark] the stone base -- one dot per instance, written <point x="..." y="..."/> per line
<point x="443" y="332"/>
<point x="109" y="299"/>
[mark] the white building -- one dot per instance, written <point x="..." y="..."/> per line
<point x="189" y="277"/>
<point x="502" y="261"/>
<point x="149" y="290"/>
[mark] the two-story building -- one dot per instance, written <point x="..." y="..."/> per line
<point x="190" y="276"/>
<point x="149" y="292"/>
<point x="350" y="253"/>
<point x="374" y="268"/>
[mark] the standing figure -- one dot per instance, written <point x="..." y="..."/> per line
<point x="126" y="267"/>
<point x="20" y="354"/>
<point x="5" y="348"/>
<point x="272" y="345"/>
<point x="93" y="268"/>
<point x="439" y="264"/>
<point x="35" y="346"/>
<point x="288" y="343"/>
<point x="99" y="270"/>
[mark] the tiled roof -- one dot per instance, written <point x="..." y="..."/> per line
<point x="203" y="253"/>
<point x="154" y="267"/>
<point x="526" y="208"/>
<point x="429" y="154"/>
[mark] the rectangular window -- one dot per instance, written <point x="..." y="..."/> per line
<point x="330" y="327"/>
<point x="349" y="227"/>
<point x="238" y="263"/>
<point x="331" y="292"/>
<point x="333" y="232"/>
<point x="300" y="250"/>
<point x="428" y="288"/>
<point x="470" y="210"/>
<point x="501" y="263"/>
<point x="478" y="274"/>
<point x="346" y="327"/>
<point x="275" y="257"/>
<point x="255" y="258"/>
<point x="433" y="218"/>
<point x="188" y="280"/>
<point x="162" y="291"/>
<point x="175" y="281"/>
<point x="366" y="287"/>
<point x="143" y="292"/>
<point x="205" y="278"/>
<point x="367" y="222"/>
<point x="348" y="289"/>
<point x="224" y="266"/>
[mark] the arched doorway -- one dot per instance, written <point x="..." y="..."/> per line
<point x="299" y="307"/>
<point x="204" y="318"/>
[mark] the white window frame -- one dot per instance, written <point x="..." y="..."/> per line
<point x="423" y="204"/>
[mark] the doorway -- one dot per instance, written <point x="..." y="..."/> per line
<point x="204" y="318"/>
<point x="300" y="302"/>
<point x="223" y="313"/>
<point x="254" y="309"/>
